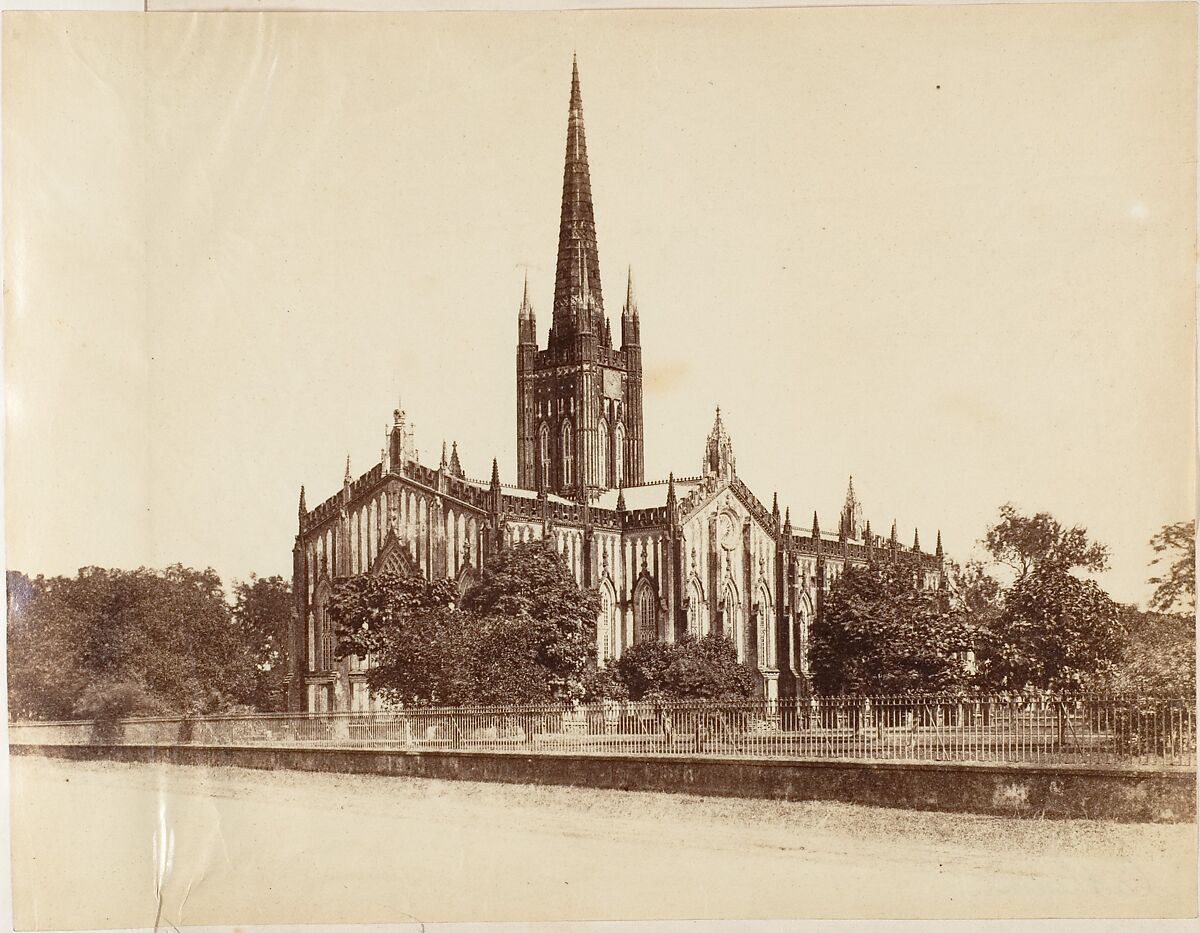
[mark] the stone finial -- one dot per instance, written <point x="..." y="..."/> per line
<point x="303" y="507"/>
<point x="346" y="478"/>
<point x="916" y="540"/>
<point x="938" y="552"/>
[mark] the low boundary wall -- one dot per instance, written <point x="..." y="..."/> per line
<point x="1065" y="791"/>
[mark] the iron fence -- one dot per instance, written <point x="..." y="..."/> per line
<point x="1059" y="730"/>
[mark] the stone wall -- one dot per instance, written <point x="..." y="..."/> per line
<point x="1133" y="795"/>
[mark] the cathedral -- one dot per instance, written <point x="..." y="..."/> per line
<point x="688" y="554"/>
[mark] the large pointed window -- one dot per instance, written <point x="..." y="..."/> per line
<point x="568" y="455"/>
<point x="602" y="437"/>
<point x="607" y="626"/>
<point x="544" y="454"/>
<point x="619" y="454"/>
<point x="696" y="607"/>
<point x="645" y="605"/>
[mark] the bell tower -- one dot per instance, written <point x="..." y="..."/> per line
<point x="579" y="401"/>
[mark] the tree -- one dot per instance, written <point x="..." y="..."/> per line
<point x="878" y="632"/>
<point x="1056" y="632"/>
<point x="262" y="616"/>
<point x="692" y="668"/>
<point x="1158" y="654"/>
<point x="168" y="632"/>
<point x="533" y="583"/>
<point x="524" y="634"/>
<point x="405" y="625"/>
<point x="1176" y="588"/>
<point x="1026" y="543"/>
<point x="108" y="703"/>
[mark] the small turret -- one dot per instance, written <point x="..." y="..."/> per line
<point x="671" y="490"/>
<point x="495" y="484"/>
<point x="787" y="522"/>
<point x="346" y="478"/>
<point x="718" y="451"/>
<point x="816" y="527"/>
<point x="851" y="520"/>
<point x="916" y="540"/>
<point x="443" y="463"/>
<point x="621" y="498"/>
<point x="630" y="322"/>
<point x="937" y="551"/>
<point x="526" y="320"/>
<point x="775" y="508"/>
<point x="895" y="540"/>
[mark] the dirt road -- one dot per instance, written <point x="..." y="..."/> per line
<point x="92" y="841"/>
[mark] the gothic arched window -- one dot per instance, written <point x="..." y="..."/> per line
<point x="695" y="609"/>
<point x="765" y="653"/>
<point x="544" y="454"/>
<point x="602" y="435"/>
<point x="568" y="454"/>
<point x="732" y="623"/>
<point x="619" y="454"/>
<point x="608" y="622"/>
<point x="801" y="638"/>
<point x="645" y="607"/>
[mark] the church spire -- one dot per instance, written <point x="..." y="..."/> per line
<point x="578" y="261"/>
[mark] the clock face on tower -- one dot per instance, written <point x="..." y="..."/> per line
<point x="727" y="531"/>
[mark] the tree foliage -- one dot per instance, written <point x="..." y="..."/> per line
<point x="877" y="632"/>
<point x="1175" y="589"/>
<point x="1025" y="543"/>
<point x="1056" y="632"/>
<point x="524" y="634"/>
<point x="1158" y="654"/>
<point x="105" y="636"/>
<point x="532" y="582"/>
<point x="692" y="668"/>
<point x="262" y="616"/>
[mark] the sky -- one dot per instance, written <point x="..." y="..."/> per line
<point x="948" y="250"/>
